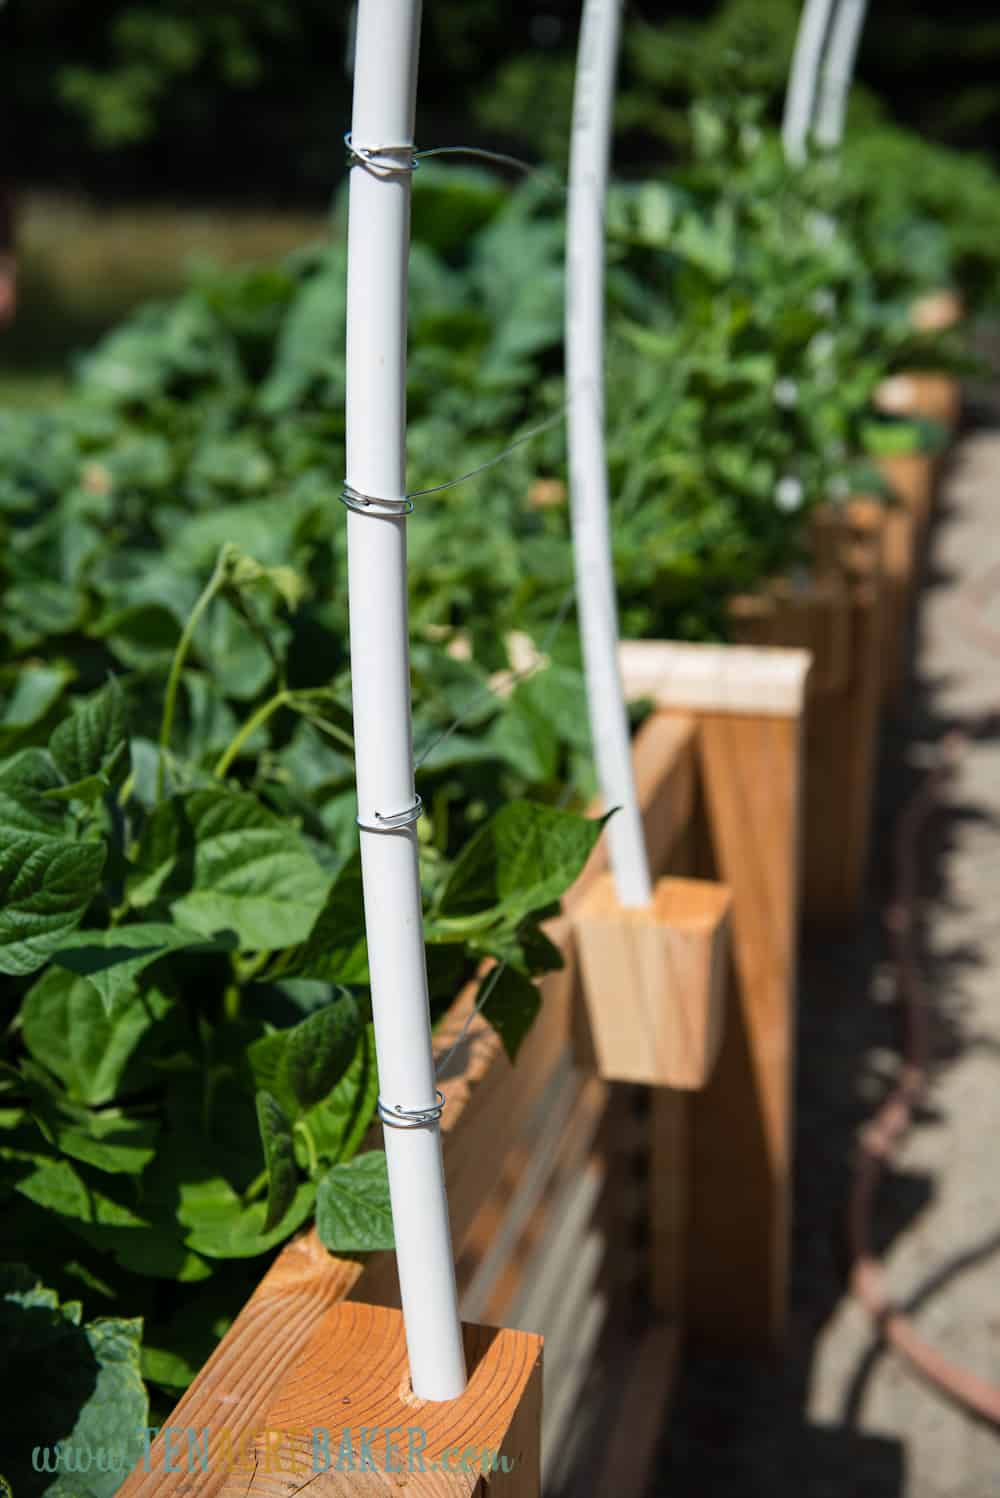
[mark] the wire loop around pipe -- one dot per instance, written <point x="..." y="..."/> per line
<point x="410" y="1118"/>
<point x="393" y="821"/>
<point x="384" y="161"/>
<point x="374" y="505"/>
<point x="403" y="160"/>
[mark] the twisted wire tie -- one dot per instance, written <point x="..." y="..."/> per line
<point x="402" y="160"/>
<point x="392" y="821"/>
<point x="375" y="505"/>
<point x="410" y="1118"/>
<point x="382" y="160"/>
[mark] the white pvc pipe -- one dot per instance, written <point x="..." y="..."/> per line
<point x="593" y="100"/>
<point x="801" y="93"/>
<point x="838" y="71"/>
<point x="385" y="72"/>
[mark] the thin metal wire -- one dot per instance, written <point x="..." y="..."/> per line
<point x="487" y="988"/>
<point x="535" y="431"/>
<point x="491" y="982"/>
<point x="487" y="691"/>
<point x="500" y="157"/>
<point x="380" y="508"/>
<point x="410" y="1118"/>
<point x="403" y="160"/>
<point x="372" y="504"/>
<point x="382" y="160"/>
<point x="396" y="509"/>
<point x="392" y="821"/>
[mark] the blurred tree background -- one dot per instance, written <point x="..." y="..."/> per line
<point x="248" y="99"/>
<point x="143" y="136"/>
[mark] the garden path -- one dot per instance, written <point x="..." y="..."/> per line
<point x="840" y="1418"/>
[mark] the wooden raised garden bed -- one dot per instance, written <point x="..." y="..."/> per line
<point x="852" y="611"/>
<point x="572" y="1198"/>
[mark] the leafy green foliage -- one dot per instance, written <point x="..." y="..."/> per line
<point x="192" y="1069"/>
<point x="221" y="862"/>
<point x="301" y="1066"/>
<point x="189" y="1069"/>
<point x="90" y="746"/>
<point x="45" y="884"/>
<point x="352" y="1206"/>
<point x="519" y="863"/>
<point x="510" y="1001"/>
<point x="112" y="960"/>
<point x="78" y="1383"/>
<point x="69" y="1029"/>
<point x="279" y="1154"/>
<point x="46" y="875"/>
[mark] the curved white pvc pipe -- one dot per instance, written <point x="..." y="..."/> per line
<point x="802" y="77"/>
<point x="385" y="73"/>
<point x="838" y="71"/>
<point x="593" y="100"/>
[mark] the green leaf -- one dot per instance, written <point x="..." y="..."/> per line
<point x="109" y="1141"/>
<point x="117" y="1410"/>
<point x="46" y="885"/>
<point x="143" y="635"/>
<point x="89" y="790"/>
<point x="93" y="740"/>
<point x="521" y="861"/>
<point x="69" y="1030"/>
<point x="36" y="689"/>
<point x="175" y="1348"/>
<point x="524" y="946"/>
<point x="279" y="1155"/>
<point x="353" y="1214"/>
<point x="525" y="737"/>
<point x="193" y="1194"/>
<point x="266" y="529"/>
<point x="320" y="1049"/>
<point x="512" y="1006"/>
<point x="224" y="863"/>
<point x="24" y="781"/>
<point x="112" y="960"/>
<point x="302" y="1065"/>
<point x="559" y="694"/>
<point x="339" y="1123"/>
<point x="65" y="1189"/>
<point x="335" y="951"/>
<point x="219" y="1226"/>
<point x="47" y="879"/>
<point x="310" y="336"/>
<point x="119" y="1146"/>
<point x="76" y="1384"/>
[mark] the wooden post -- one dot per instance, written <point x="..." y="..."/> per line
<point x="929" y="394"/>
<point x="842" y="727"/>
<point x="911" y="478"/>
<point x="937" y="310"/>
<point x="345" y="1417"/>
<point x="813" y="615"/>
<point x="654" y="980"/>
<point x="670" y="1197"/>
<point x="899" y="569"/>
<point x="751" y="619"/>
<point x="748" y="706"/>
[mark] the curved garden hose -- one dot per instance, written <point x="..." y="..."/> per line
<point x="893" y="1119"/>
